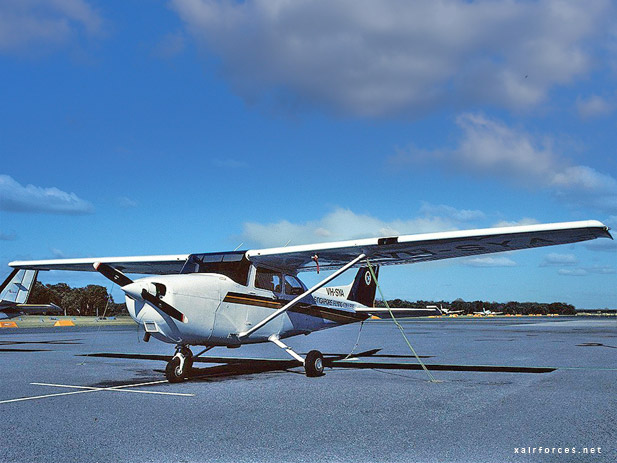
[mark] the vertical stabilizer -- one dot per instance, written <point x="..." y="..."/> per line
<point x="363" y="287"/>
<point x="16" y="288"/>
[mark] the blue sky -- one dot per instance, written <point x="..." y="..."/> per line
<point x="137" y="128"/>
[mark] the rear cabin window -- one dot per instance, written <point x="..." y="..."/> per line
<point x="293" y="285"/>
<point x="232" y="265"/>
<point x="268" y="279"/>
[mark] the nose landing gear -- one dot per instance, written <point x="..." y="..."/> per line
<point x="179" y="367"/>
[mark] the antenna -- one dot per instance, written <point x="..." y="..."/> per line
<point x="236" y="248"/>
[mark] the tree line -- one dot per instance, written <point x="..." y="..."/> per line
<point x="468" y="308"/>
<point x="92" y="300"/>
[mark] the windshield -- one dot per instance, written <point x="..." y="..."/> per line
<point x="231" y="264"/>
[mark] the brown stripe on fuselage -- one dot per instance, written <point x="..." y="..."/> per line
<point x="328" y="313"/>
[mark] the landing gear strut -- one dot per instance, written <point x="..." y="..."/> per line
<point x="313" y="363"/>
<point x="179" y="367"/>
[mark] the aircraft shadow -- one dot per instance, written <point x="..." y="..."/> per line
<point x="229" y="367"/>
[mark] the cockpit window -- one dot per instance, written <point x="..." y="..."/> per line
<point x="233" y="265"/>
<point x="293" y="285"/>
<point x="268" y="279"/>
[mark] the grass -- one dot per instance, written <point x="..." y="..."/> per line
<point x="39" y="321"/>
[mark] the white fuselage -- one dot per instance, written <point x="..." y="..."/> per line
<point x="217" y="309"/>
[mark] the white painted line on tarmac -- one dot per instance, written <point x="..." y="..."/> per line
<point x="85" y="389"/>
<point x="122" y="388"/>
<point x="43" y="396"/>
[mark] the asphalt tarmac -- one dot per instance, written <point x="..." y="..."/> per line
<point x="103" y="409"/>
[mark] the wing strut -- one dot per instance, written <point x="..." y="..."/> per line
<point x="294" y="301"/>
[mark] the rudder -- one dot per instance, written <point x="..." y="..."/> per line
<point x="364" y="286"/>
<point x="16" y="288"/>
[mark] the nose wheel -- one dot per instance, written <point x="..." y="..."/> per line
<point x="179" y="367"/>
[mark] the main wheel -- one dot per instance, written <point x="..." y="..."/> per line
<point x="313" y="364"/>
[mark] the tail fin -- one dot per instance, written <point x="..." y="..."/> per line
<point x="364" y="286"/>
<point x="14" y="294"/>
<point x="16" y="288"/>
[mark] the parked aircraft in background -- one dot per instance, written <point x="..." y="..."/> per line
<point x="14" y="293"/>
<point x="444" y="311"/>
<point x="241" y="297"/>
<point x="488" y="312"/>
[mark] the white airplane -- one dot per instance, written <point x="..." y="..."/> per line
<point x="488" y="312"/>
<point x="444" y="311"/>
<point x="242" y="297"/>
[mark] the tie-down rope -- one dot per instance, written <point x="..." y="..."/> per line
<point x="432" y="379"/>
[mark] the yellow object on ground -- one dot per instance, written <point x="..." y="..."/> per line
<point x="64" y="323"/>
<point x="8" y="325"/>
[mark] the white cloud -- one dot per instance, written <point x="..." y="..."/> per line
<point x="573" y="272"/>
<point x="515" y="223"/>
<point x="489" y="262"/>
<point x="490" y="147"/>
<point x="594" y="106"/>
<point x="559" y="259"/>
<point x="17" y="198"/>
<point x="57" y="253"/>
<point x="583" y="271"/>
<point x="602" y="269"/>
<point x="381" y="58"/>
<point x="340" y="224"/>
<point x="127" y="202"/>
<point x="459" y="215"/>
<point x="36" y="23"/>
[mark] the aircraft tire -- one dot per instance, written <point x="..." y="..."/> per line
<point x="313" y="364"/>
<point x="171" y="371"/>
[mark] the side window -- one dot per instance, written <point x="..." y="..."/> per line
<point x="268" y="279"/>
<point x="293" y="286"/>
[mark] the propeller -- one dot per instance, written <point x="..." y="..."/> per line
<point x="112" y="274"/>
<point x="163" y="306"/>
<point x="124" y="282"/>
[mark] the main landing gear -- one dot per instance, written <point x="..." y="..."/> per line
<point x="313" y="363"/>
<point x="179" y="367"/>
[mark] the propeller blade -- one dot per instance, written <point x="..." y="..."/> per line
<point x="112" y="274"/>
<point x="163" y="306"/>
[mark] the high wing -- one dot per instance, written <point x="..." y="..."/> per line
<point x="404" y="249"/>
<point x="408" y="249"/>
<point x="147" y="265"/>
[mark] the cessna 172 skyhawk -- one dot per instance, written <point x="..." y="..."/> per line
<point x="241" y="297"/>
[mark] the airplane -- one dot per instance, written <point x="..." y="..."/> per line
<point x="14" y="293"/>
<point x="444" y="311"/>
<point x="488" y="312"/>
<point x="255" y="296"/>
